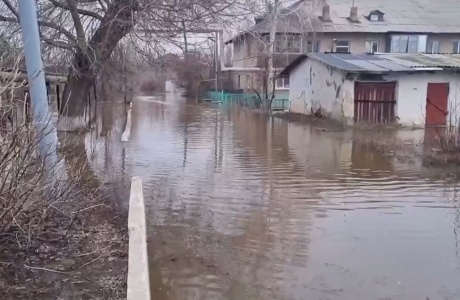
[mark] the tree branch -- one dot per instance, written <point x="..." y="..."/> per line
<point x="44" y="24"/>
<point x="79" y="10"/>
<point x="55" y="43"/>
<point x="11" y="8"/>
<point x="72" y="6"/>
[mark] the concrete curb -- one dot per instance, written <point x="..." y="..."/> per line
<point x="127" y="132"/>
<point x="138" y="266"/>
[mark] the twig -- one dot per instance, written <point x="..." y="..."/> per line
<point x="99" y="257"/>
<point x="48" y="270"/>
<point x="5" y="263"/>
<point x="85" y="254"/>
<point x="88" y="208"/>
<point x="93" y="260"/>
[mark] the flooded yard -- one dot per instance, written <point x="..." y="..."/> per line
<point x="245" y="207"/>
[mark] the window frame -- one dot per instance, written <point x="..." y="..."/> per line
<point x="456" y="51"/>
<point x="374" y="15"/>
<point x="283" y="86"/>
<point x="296" y="41"/>
<point x="371" y="43"/>
<point x="410" y="43"/>
<point x="314" y="45"/>
<point x="282" y="42"/>
<point x="317" y="46"/>
<point x="337" y="46"/>
<point x="431" y="45"/>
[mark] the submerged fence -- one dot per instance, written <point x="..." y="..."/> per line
<point x="247" y="100"/>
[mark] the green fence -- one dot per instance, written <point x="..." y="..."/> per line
<point x="247" y="100"/>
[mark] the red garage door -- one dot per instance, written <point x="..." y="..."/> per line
<point x="375" y="102"/>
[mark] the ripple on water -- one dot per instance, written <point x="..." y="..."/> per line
<point x="243" y="208"/>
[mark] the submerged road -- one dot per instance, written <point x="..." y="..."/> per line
<point x="243" y="207"/>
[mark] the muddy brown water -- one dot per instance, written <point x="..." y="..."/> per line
<point x="244" y="207"/>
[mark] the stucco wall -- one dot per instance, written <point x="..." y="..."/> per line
<point x="357" y="41"/>
<point x="446" y="41"/>
<point x="246" y="51"/>
<point x="314" y="86"/>
<point x="247" y="57"/>
<point x="411" y="93"/>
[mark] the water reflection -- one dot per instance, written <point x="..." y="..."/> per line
<point x="241" y="206"/>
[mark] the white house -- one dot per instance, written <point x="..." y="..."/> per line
<point x="410" y="89"/>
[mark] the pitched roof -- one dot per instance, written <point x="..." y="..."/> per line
<point x="381" y="63"/>
<point x="424" y="16"/>
<point x="419" y="16"/>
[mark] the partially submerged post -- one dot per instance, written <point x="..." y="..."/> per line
<point x="138" y="272"/>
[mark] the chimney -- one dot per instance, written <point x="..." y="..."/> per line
<point x="326" y="14"/>
<point x="354" y="14"/>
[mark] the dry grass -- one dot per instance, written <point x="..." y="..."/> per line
<point x="61" y="235"/>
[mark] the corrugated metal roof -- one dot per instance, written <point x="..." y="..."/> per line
<point x="386" y="63"/>
<point x="416" y="16"/>
<point x="417" y="60"/>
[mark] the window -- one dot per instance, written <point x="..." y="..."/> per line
<point x="293" y="43"/>
<point x="282" y="83"/>
<point x="248" y="47"/>
<point x="279" y="43"/>
<point x="239" y="81"/>
<point x="312" y="46"/>
<point x="249" y="82"/>
<point x="413" y="44"/>
<point x="408" y="43"/>
<point x="456" y="47"/>
<point x="375" y="16"/>
<point x="432" y="47"/>
<point x="266" y="39"/>
<point x="317" y="47"/>
<point x="372" y="46"/>
<point x="309" y="46"/>
<point x="342" y="46"/>
<point x="287" y="43"/>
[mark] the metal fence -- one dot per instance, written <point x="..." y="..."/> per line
<point x="247" y="100"/>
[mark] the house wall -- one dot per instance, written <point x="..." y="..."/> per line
<point x="411" y="93"/>
<point x="314" y="86"/>
<point x="248" y="56"/>
<point x="357" y="41"/>
<point x="446" y="41"/>
<point x="246" y="51"/>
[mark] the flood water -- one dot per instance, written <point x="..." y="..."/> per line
<point x="243" y="207"/>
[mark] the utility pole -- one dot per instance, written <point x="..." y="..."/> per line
<point x="187" y="71"/>
<point x="273" y="15"/>
<point x="46" y="132"/>
<point x="216" y="65"/>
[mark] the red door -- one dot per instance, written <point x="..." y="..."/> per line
<point x="436" y="104"/>
<point x="375" y="102"/>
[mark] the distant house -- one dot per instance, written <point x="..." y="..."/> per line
<point x="370" y="26"/>
<point x="411" y="89"/>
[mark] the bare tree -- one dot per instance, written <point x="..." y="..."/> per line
<point x="88" y="31"/>
<point x="283" y="27"/>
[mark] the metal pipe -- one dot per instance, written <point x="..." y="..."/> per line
<point x="36" y="77"/>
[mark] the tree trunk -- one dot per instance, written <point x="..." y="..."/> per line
<point x="73" y="110"/>
<point x="117" y="23"/>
